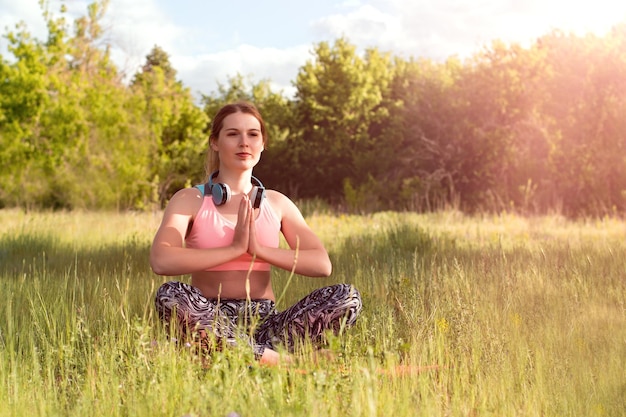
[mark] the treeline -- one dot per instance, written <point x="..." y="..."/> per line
<point x="531" y="129"/>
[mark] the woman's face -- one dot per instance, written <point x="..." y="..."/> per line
<point x="240" y="142"/>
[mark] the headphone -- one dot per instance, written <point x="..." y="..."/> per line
<point x="221" y="193"/>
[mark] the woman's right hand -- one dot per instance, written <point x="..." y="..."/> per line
<point x="241" y="238"/>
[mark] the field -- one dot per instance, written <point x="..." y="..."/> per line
<point x="463" y="316"/>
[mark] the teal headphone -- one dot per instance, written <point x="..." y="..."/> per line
<point x="221" y="193"/>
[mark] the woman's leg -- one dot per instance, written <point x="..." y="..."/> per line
<point x="245" y="314"/>
<point x="224" y="321"/>
<point x="187" y="303"/>
<point x="193" y="312"/>
<point x="328" y="308"/>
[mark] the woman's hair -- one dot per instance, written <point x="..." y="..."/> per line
<point x="212" y="158"/>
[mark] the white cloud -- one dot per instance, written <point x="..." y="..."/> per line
<point x="136" y="27"/>
<point x="13" y="12"/>
<point x="461" y="27"/>
<point x="455" y="27"/>
<point x="418" y="28"/>
<point x="365" y="24"/>
<point x="203" y="72"/>
<point x="403" y="29"/>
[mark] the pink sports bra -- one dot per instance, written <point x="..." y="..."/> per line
<point x="211" y="229"/>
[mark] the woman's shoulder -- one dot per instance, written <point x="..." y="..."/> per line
<point x="277" y="198"/>
<point x="190" y="194"/>
<point x="281" y="204"/>
<point x="186" y="201"/>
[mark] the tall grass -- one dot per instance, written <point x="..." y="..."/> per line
<point x="463" y="316"/>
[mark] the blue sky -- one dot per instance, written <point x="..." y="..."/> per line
<point x="209" y="40"/>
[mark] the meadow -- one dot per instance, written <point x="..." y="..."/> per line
<point x="487" y="315"/>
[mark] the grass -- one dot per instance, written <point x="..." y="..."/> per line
<point x="521" y="316"/>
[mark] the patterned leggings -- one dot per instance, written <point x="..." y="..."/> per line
<point x="257" y="321"/>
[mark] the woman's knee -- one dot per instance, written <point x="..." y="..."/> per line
<point x="343" y="299"/>
<point x="348" y="293"/>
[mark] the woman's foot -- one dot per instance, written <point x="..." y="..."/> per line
<point x="271" y="357"/>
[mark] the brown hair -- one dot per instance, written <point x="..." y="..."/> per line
<point x="212" y="158"/>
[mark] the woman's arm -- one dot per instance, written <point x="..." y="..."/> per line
<point x="306" y="251"/>
<point x="168" y="256"/>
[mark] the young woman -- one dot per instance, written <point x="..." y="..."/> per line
<point x="226" y="235"/>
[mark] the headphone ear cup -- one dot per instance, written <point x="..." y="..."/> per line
<point x="220" y="193"/>
<point x="257" y="195"/>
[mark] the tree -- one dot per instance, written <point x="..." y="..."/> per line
<point x="176" y="126"/>
<point x="338" y="98"/>
<point x="68" y="121"/>
<point x="419" y="135"/>
<point x="588" y="103"/>
<point x="22" y="100"/>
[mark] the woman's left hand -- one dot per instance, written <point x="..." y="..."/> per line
<point x="253" y="243"/>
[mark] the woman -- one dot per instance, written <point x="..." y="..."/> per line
<point x="227" y="243"/>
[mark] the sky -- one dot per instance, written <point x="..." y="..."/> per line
<point x="209" y="41"/>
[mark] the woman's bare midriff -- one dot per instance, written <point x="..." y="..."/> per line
<point x="232" y="284"/>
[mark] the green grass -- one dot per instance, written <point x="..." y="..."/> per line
<point x="522" y="316"/>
